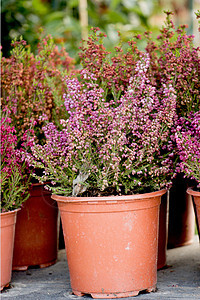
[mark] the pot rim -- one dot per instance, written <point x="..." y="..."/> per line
<point x="113" y="199"/>
<point x="190" y="191"/>
<point x="36" y="184"/>
<point x="10" y="211"/>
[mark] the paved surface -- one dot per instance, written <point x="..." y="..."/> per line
<point x="180" y="280"/>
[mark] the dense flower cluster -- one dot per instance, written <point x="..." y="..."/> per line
<point x="118" y="131"/>
<point x="14" y="182"/>
<point x="32" y="85"/>
<point x="108" y="146"/>
<point x="112" y="72"/>
<point x="174" y="58"/>
<point x="187" y="137"/>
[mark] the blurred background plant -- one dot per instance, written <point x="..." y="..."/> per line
<point x="174" y="57"/>
<point x="69" y="20"/>
<point x="32" y="85"/>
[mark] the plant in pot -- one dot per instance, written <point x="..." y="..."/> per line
<point x="109" y="166"/>
<point x="32" y="89"/>
<point x="175" y="58"/>
<point x="14" y="191"/>
<point x="113" y="72"/>
<point x="187" y="137"/>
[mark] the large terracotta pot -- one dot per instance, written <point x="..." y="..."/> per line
<point x="36" y="236"/>
<point x="111" y="243"/>
<point x="196" y="201"/>
<point x="181" y="215"/>
<point x="162" y="236"/>
<point x="7" y="233"/>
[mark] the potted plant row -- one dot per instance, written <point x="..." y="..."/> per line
<point x="32" y="88"/>
<point x="14" y="191"/>
<point x="108" y="146"/>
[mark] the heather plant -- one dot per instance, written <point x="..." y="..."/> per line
<point x="111" y="70"/>
<point x="14" y="176"/>
<point x="175" y="58"/>
<point x="109" y="147"/>
<point x="187" y="138"/>
<point x="32" y="85"/>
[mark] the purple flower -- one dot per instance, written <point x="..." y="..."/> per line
<point x="121" y="146"/>
<point x="187" y="137"/>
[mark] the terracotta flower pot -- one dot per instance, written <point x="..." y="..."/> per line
<point x="7" y="233"/>
<point x="111" y="243"/>
<point x="196" y="201"/>
<point x="36" y="236"/>
<point x="162" y="236"/>
<point x="181" y="215"/>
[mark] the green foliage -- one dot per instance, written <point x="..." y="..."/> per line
<point x="15" y="177"/>
<point x="21" y="17"/>
<point x="14" y="189"/>
<point x="32" y="85"/>
<point x="61" y="19"/>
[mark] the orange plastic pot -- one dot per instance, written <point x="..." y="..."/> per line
<point x="36" y="235"/>
<point x="7" y="233"/>
<point x="196" y="201"/>
<point x="111" y="243"/>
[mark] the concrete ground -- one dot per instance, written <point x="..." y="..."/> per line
<point x="179" y="280"/>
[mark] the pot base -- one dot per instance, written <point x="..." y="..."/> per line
<point x="7" y="236"/>
<point x="111" y="243"/>
<point x="41" y="266"/>
<point x="114" y="295"/>
<point x="5" y="286"/>
<point x="187" y="243"/>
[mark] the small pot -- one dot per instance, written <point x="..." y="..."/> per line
<point x="7" y="234"/>
<point x="111" y="243"/>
